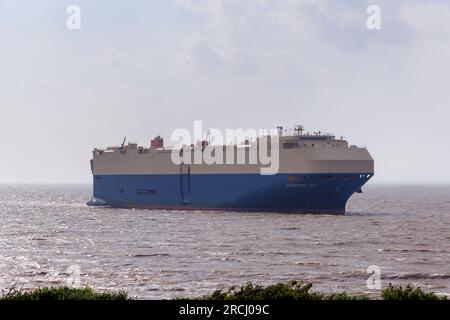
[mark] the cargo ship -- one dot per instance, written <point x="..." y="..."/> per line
<point x="316" y="173"/>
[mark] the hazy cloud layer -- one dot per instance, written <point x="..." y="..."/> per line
<point x="142" y="68"/>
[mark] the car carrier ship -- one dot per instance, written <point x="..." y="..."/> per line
<point x="317" y="173"/>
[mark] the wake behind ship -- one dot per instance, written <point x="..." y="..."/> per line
<point x="317" y="174"/>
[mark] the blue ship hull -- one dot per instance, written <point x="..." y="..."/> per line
<point x="298" y="193"/>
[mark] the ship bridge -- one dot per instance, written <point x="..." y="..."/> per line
<point x="299" y="139"/>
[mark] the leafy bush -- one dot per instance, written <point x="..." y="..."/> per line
<point x="281" y="291"/>
<point x="63" y="293"/>
<point x="408" y="293"/>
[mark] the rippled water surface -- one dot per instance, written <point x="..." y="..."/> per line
<point x="47" y="233"/>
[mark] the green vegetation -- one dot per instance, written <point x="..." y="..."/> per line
<point x="302" y="291"/>
<point x="291" y="291"/>
<point x="63" y="293"/>
<point x="408" y="293"/>
<point x="281" y="291"/>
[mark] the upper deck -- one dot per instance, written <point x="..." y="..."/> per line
<point x="290" y="141"/>
<point x="315" y="152"/>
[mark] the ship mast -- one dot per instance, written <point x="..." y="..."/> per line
<point x="299" y="129"/>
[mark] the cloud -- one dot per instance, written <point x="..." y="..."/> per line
<point x="276" y="68"/>
<point x="242" y="63"/>
<point x="41" y="86"/>
<point x="199" y="51"/>
<point x="226" y="17"/>
<point x="429" y="20"/>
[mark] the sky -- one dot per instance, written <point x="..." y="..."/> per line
<point x="138" y="69"/>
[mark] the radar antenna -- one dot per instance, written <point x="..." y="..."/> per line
<point x="299" y="129"/>
<point x="280" y="131"/>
